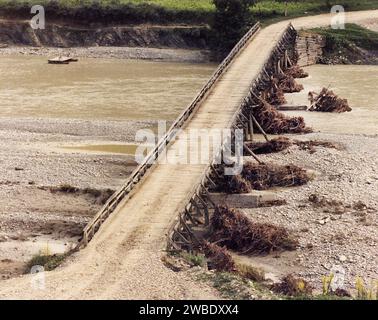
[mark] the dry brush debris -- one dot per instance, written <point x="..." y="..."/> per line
<point x="289" y="85"/>
<point x="328" y="101"/>
<point x="272" y="146"/>
<point x="274" y="95"/>
<point x="262" y="177"/>
<point x="274" y="122"/>
<point x="219" y="258"/>
<point x="234" y="230"/>
<point x="265" y="176"/>
<point x="232" y="185"/>
<point x="296" y="72"/>
<point x="292" y="286"/>
<point x="282" y="83"/>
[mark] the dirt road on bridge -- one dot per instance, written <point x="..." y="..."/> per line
<point x="124" y="259"/>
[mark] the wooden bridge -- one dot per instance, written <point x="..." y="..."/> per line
<point x="222" y="103"/>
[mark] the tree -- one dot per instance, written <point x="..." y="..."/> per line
<point x="231" y="21"/>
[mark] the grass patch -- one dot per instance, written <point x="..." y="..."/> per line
<point x="353" y="34"/>
<point x="173" y="11"/>
<point x="47" y="261"/>
<point x="229" y="285"/>
<point x="195" y="260"/>
<point x="250" y="272"/>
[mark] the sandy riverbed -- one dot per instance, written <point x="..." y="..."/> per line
<point x="33" y="161"/>
<point x="341" y="235"/>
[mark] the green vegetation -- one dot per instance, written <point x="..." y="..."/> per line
<point x="231" y="22"/>
<point x="269" y="11"/>
<point x="351" y="35"/>
<point x="352" y="45"/>
<point x="48" y="261"/>
<point x="229" y="18"/>
<point x="194" y="259"/>
<point x="174" y="11"/>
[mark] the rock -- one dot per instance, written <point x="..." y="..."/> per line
<point x="326" y="266"/>
<point x="324" y="220"/>
<point x="342" y="258"/>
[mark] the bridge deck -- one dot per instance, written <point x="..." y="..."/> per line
<point x="123" y="259"/>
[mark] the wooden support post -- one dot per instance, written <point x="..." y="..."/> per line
<point x="260" y="128"/>
<point x="189" y="216"/>
<point x="209" y="197"/>
<point x="246" y="134"/>
<point x="195" y="204"/>
<point x="285" y="62"/>
<point x="252" y="154"/>
<point x="210" y="180"/>
<point x="215" y="171"/>
<point x="289" y="61"/>
<point x="251" y="133"/>
<point x="85" y="239"/>
<point x="279" y="70"/>
<point x="205" y="208"/>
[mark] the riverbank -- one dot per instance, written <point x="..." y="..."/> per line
<point x="154" y="54"/>
<point x="353" y="45"/>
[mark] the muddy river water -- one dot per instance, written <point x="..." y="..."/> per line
<point x="144" y="90"/>
<point x="98" y="88"/>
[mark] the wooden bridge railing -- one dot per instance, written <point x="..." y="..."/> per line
<point x="110" y="206"/>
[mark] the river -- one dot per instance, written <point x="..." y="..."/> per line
<point x="111" y="89"/>
<point x="98" y="88"/>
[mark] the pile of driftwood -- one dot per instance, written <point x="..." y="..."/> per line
<point x="218" y="257"/>
<point x="262" y="177"/>
<point x="289" y="85"/>
<point x="296" y="72"/>
<point x="266" y="176"/>
<point x="234" y="230"/>
<point x="275" y="122"/>
<point x="274" y="95"/>
<point x="232" y="185"/>
<point x="271" y="146"/>
<point x="282" y="83"/>
<point x="328" y="101"/>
